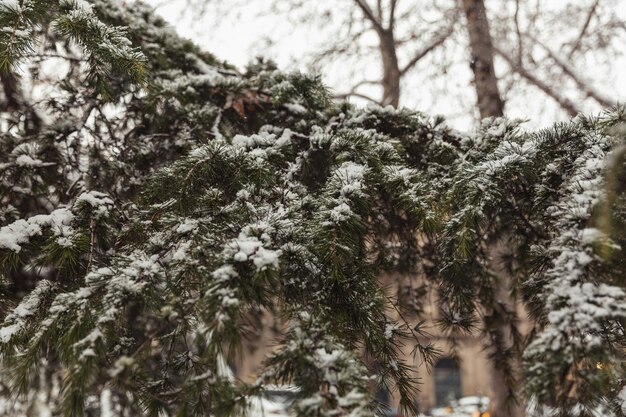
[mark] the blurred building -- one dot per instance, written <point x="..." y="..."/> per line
<point x="461" y="370"/>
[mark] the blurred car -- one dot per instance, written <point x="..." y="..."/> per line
<point x="393" y="412"/>
<point x="273" y="402"/>
<point x="465" y="407"/>
<point x="390" y="412"/>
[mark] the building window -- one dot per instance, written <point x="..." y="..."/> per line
<point x="382" y="395"/>
<point x="447" y="381"/>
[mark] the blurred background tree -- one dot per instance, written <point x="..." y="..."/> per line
<point x="533" y="59"/>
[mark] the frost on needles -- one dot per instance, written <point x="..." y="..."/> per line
<point x="148" y="222"/>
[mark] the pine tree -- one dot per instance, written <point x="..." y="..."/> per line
<point x="156" y="203"/>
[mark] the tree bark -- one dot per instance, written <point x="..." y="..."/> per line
<point x="490" y="104"/>
<point x="387" y="46"/>
<point x="391" y="69"/>
<point x="488" y="96"/>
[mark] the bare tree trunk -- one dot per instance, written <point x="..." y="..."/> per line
<point x="499" y="406"/>
<point x="391" y="70"/>
<point x="490" y="104"/>
<point x="488" y="97"/>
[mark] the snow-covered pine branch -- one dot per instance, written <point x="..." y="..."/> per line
<point x="147" y="228"/>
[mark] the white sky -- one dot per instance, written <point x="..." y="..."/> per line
<point x="239" y="36"/>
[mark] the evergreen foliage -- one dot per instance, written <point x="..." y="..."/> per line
<point x="156" y="203"/>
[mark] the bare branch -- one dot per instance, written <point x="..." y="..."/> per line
<point x="342" y="46"/>
<point x="355" y="94"/>
<point x="583" y="30"/>
<point x="520" y="43"/>
<point x="392" y="14"/>
<point x="438" y="40"/>
<point x="379" y="10"/>
<point x="369" y="14"/>
<point x="366" y="82"/>
<point x="568" y="105"/>
<point x="580" y="81"/>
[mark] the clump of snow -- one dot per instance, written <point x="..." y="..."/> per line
<point x="64" y="241"/>
<point x="80" y="5"/>
<point x="87" y="353"/>
<point x="19" y="232"/>
<point x="347" y="182"/>
<point x="251" y="248"/>
<point x="262" y="139"/>
<point x="94" y="198"/>
<point x="223" y="370"/>
<point x="265" y="257"/>
<point x="390" y="328"/>
<point x="351" y="175"/>
<point x="121" y="364"/>
<point x="7" y="332"/>
<point x="295" y="108"/>
<point x="197" y="153"/>
<point x="228" y="297"/>
<point x="284" y="139"/>
<point x="187" y="226"/>
<point x="100" y="202"/>
<point x="340" y="213"/>
<point x="15" y="321"/>
<point x="10" y="4"/>
<point x="181" y="251"/>
<point x="328" y="359"/>
<point x="498" y="128"/>
<point x="224" y="273"/>
<point x="402" y="174"/>
<point x="27" y="161"/>
<point x="382" y="110"/>
<point x="252" y="245"/>
<point x="106" y="405"/>
<point x="197" y="82"/>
